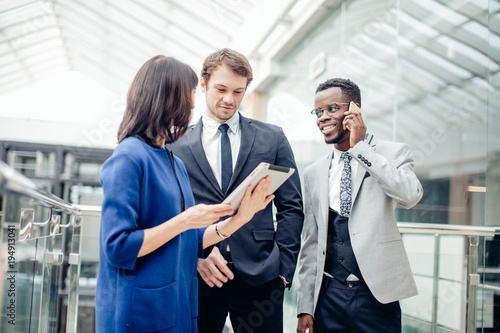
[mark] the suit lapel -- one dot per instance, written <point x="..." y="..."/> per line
<point x="360" y="171"/>
<point x="356" y="182"/>
<point x="199" y="154"/>
<point x="247" y="140"/>
<point x="324" y="197"/>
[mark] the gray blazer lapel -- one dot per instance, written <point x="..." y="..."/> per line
<point x="360" y="171"/>
<point x="356" y="183"/>
<point x="247" y="139"/>
<point x="199" y="154"/>
<point x="323" y="195"/>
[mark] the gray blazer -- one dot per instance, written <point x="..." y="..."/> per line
<point x="384" y="180"/>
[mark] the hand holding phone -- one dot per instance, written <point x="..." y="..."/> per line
<point x="352" y="107"/>
<point x="353" y="122"/>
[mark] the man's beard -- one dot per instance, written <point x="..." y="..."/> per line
<point x="336" y="139"/>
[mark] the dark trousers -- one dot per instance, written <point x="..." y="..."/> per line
<point x="252" y="309"/>
<point x="351" y="307"/>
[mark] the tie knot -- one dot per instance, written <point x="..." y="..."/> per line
<point x="223" y="128"/>
<point x="346" y="157"/>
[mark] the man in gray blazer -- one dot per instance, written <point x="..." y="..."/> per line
<point x="353" y="268"/>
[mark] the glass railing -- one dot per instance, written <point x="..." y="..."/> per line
<point x="458" y="287"/>
<point x="39" y="288"/>
<point x="449" y="268"/>
<point x="456" y="268"/>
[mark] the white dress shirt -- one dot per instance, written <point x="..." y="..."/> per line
<point x="210" y="139"/>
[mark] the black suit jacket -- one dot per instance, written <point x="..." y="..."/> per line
<point x="259" y="252"/>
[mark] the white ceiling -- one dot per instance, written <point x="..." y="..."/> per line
<point x="448" y="50"/>
<point x="109" y="40"/>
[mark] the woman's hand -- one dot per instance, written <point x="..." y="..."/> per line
<point x="255" y="200"/>
<point x="252" y="202"/>
<point x="202" y="215"/>
<point x="194" y="217"/>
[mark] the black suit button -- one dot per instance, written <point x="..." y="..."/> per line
<point x="369" y="164"/>
<point x="341" y="259"/>
<point x="359" y="156"/>
<point x="341" y="241"/>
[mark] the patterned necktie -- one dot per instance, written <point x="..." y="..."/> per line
<point x="226" y="158"/>
<point x="345" y="186"/>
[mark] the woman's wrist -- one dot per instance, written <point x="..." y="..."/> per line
<point x="218" y="232"/>
<point x="179" y="222"/>
<point x="227" y="227"/>
<point x="238" y="220"/>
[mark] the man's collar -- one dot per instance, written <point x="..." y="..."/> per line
<point x="212" y="125"/>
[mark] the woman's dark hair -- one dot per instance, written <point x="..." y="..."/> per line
<point x="159" y="100"/>
<point x="350" y="90"/>
<point x="236" y="61"/>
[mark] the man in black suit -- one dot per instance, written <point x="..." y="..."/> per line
<point x="252" y="267"/>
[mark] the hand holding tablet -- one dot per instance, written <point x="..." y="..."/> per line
<point x="277" y="173"/>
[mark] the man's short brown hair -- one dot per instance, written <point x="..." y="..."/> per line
<point x="236" y="61"/>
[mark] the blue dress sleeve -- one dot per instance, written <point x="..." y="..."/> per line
<point x="120" y="235"/>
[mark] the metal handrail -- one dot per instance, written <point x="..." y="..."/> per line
<point x="15" y="182"/>
<point x="446" y="229"/>
<point x="87" y="210"/>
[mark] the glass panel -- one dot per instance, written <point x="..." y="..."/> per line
<point x="51" y="281"/>
<point x="451" y="305"/>
<point x="418" y="311"/>
<point x="37" y="285"/>
<point x="488" y="293"/>
<point x="89" y="238"/>
<point x="441" y="305"/>
<point x="20" y="286"/>
<point x="74" y="276"/>
<point x="31" y="270"/>
<point x="19" y="266"/>
<point x="88" y="279"/>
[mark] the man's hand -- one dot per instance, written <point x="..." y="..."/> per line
<point x="285" y="282"/>
<point x="213" y="270"/>
<point x="353" y="121"/>
<point x="305" y="322"/>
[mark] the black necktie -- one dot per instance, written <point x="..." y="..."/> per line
<point x="226" y="158"/>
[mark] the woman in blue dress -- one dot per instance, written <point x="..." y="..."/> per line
<point x="151" y="232"/>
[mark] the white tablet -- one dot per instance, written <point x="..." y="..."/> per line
<point x="277" y="173"/>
